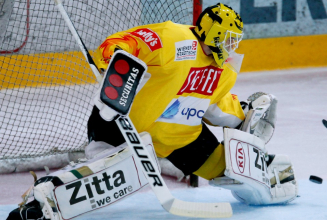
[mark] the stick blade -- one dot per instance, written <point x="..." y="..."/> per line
<point x="201" y="210"/>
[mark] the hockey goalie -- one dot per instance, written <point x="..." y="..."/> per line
<point x="171" y="80"/>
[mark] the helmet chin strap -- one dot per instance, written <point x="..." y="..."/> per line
<point x="215" y="49"/>
<point x="218" y="56"/>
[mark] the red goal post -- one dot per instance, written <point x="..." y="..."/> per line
<point x="46" y="84"/>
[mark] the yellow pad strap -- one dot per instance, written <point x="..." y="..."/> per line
<point x="214" y="166"/>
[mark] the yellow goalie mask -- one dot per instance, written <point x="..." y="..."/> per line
<point x="221" y="28"/>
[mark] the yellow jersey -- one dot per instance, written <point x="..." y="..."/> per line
<point x="185" y="87"/>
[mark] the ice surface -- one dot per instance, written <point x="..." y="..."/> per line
<point x="302" y="104"/>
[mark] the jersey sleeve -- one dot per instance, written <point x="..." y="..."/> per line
<point x="227" y="112"/>
<point x="119" y="41"/>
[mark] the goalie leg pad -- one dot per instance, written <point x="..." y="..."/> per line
<point x="118" y="179"/>
<point x="109" y="176"/>
<point x="248" y="176"/>
<point x="284" y="187"/>
<point x="98" y="148"/>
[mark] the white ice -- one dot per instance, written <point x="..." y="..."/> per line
<point x="302" y="104"/>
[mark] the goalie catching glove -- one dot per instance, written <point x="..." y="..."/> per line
<point x="260" y="111"/>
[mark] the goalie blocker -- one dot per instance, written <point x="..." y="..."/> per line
<point x="121" y="82"/>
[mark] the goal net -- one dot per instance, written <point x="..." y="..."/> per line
<point x="46" y="85"/>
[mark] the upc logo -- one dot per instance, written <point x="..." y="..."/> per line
<point x="192" y="112"/>
<point x="185" y="110"/>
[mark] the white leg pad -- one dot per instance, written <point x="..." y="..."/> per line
<point x="98" y="148"/>
<point x="109" y="176"/>
<point x="248" y="176"/>
<point x="281" y="168"/>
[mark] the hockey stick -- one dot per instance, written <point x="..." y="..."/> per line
<point x="169" y="203"/>
<point x="79" y="40"/>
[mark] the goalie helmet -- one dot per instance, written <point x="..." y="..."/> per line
<point x="221" y="28"/>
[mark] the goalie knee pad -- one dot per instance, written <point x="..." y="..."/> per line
<point x="251" y="178"/>
<point x="98" y="148"/>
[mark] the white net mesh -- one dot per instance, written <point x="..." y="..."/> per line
<point x="46" y="85"/>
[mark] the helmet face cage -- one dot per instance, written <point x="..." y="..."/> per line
<point x="230" y="42"/>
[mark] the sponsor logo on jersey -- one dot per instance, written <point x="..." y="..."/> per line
<point x="201" y="80"/>
<point x="234" y="97"/>
<point x="185" y="110"/>
<point x="186" y="50"/>
<point x="149" y="37"/>
<point x="111" y="45"/>
<point x="172" y="110"/>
